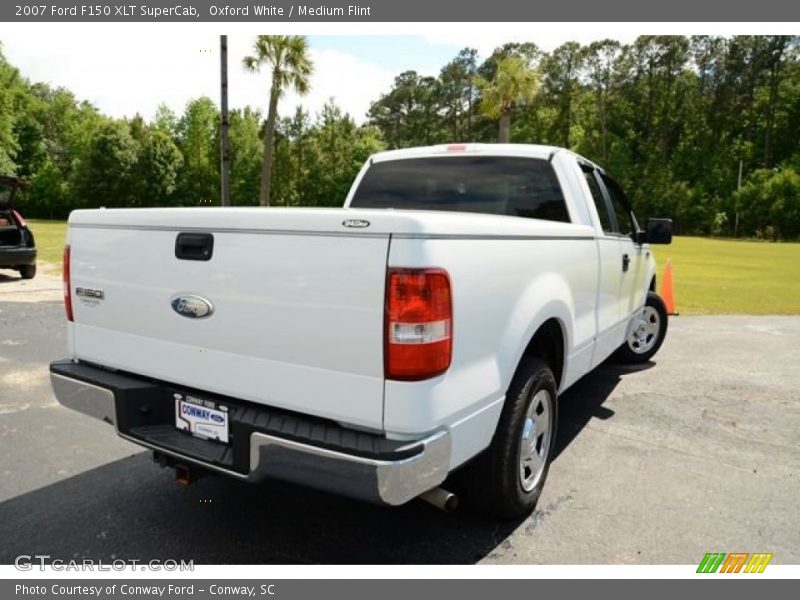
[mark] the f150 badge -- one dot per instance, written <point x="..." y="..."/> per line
<point x="89" y="297"/>
<point x="192" y="307"/>
<point x="85" y="292"/>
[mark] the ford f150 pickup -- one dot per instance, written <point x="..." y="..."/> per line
<point x="369" y="350"/>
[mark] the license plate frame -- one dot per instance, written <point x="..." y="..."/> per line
<point x="202" y="418"/>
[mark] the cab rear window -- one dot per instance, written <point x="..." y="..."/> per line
<point x="496" y="185"/>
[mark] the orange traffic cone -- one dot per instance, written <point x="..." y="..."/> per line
<point x="667" y="293"/>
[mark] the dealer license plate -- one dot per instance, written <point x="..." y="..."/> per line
<point x="202" y="418"/>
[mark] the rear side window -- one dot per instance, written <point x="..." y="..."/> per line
<point x="599" y="201"/>
<point x="620" y="204"/>
<point x="518" y="187"/>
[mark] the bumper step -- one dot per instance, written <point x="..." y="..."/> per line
<point x="264" y="441"/>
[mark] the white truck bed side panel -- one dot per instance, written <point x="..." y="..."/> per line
<point x="502" y="290"/>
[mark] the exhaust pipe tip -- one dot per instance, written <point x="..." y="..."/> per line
<point x="441" y="499"/>
<point x="182" y="475"/>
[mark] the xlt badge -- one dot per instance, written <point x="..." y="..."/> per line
<point x="355" y="223"/>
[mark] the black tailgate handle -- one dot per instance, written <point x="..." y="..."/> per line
<point x="194" y="246"/>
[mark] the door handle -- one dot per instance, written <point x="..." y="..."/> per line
<point x="626" y="261"/>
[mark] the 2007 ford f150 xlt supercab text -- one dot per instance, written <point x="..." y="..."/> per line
<point x="369" y="350"/>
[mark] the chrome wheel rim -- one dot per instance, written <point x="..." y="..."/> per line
<point x="644" y="334"/>
<point x="534" y="443"/>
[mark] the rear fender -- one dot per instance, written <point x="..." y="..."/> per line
<point x="547" y="297"/>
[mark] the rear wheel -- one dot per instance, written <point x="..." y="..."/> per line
<point x="648" y="332"/>
<point x="27" y="271"/>
<point x="507" y="479"/>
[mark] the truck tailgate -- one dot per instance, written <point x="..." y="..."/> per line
<point x="297" y="319"/>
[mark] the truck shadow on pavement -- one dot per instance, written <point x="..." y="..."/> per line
<point x="585" y="400"/>
<point x="130" y="509"/>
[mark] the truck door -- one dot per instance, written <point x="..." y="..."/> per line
<point x="634" y="282"/>
<point x="609" y="330"/>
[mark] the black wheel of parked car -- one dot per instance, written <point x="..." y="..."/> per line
<point x="507" y="479"/>
<point x="27" y="271"/>
<point x="648" y="332"/>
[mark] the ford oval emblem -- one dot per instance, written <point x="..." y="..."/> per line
<point x="192" y="307"/>
<point x="355" y="223"/>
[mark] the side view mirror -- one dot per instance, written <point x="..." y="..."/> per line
<point x="659" y="231"/>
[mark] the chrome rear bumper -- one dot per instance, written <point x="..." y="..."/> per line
<point x="419" y="466"/>
<point x="84" y="397"/>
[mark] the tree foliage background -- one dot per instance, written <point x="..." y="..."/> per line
<point x="671" y="117"/>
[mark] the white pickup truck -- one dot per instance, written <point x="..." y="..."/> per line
<point x="369" y="350"/>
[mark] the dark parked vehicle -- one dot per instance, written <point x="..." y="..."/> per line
<point x="17" y="248"/>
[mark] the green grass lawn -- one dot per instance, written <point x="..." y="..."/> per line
<point x="711" y="276"/>
<point x="722" y="276"/>
<point x="49" y="236"/>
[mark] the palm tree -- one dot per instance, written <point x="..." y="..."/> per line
<point x="286" y="57"/>
<point x="513" y="83"/>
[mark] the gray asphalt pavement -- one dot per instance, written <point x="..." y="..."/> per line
<point x="699" y="451"/>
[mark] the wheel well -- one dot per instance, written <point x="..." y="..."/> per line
<point x="548" y="344"/>
<point x="653" y="284"/>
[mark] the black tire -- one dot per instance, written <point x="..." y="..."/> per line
<point x="494" y="479"/>
<point x="655" y="313"/>
<point x="28" y="271"/>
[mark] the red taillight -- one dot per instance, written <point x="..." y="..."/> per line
<point x="67" y="289"/>
<point x="419" y="324"/>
